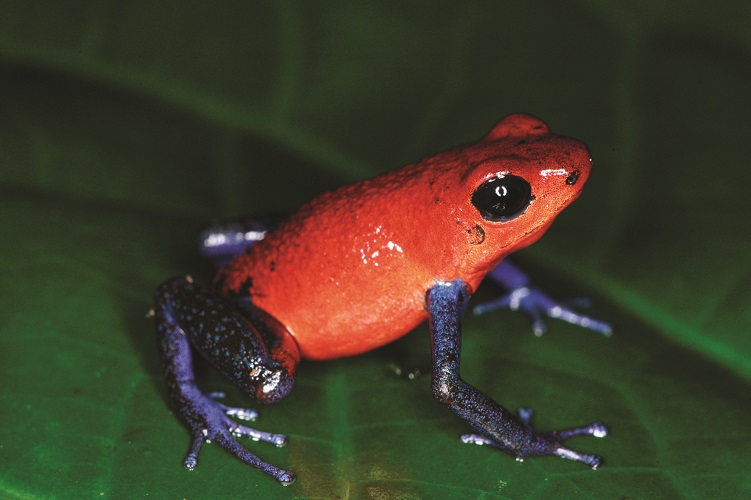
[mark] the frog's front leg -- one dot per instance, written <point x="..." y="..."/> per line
<point x="494" y="424"/>
<point x="244" y="343"/>
<point x="522" y="295"/>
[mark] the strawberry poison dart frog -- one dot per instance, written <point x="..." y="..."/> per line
<point x="361" y="266"/>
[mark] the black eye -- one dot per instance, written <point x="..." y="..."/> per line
<point x="502" y="198"/>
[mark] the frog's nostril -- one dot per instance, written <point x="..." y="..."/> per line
<point x="573" y="177"/>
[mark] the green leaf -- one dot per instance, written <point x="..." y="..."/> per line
<point x="125" y="128"/>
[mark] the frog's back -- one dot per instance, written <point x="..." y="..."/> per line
<point x="347" y="272"/>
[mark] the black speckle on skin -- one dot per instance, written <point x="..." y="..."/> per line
<point x="573" y="177"/>
<point x="476" y="235"/>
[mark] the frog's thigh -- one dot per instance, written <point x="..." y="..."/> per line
<point x="245" y="344"/>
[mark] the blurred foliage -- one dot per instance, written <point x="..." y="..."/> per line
<point x="126" y="127"/>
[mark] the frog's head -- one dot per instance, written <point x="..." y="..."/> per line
<point x="521" y="177"/>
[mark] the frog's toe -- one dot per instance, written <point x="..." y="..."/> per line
<point x="233" y="411"/>
<point x="229" y="443"/>
<point x="191" y="460"/>
<point x="593" y="461"/>
<point x="596" y="429"/>
<point x="256" y="435"/>
<point x="570" y="316"/>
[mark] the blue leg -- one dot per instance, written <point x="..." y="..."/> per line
<point x="245" y="344"/>
<point x="521" y="295"/>
<point x="493" y="424"/>
<point x="220" y="242"/>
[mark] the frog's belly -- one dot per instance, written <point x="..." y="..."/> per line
<point x="329" y="322"/>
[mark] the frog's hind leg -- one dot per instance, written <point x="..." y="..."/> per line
<point x="220" y="242"/>
<point x="247" y="345"/>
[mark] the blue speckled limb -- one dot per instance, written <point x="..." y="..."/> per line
<point x="250" y="347"/>
<point x="521" y="295"/>
<point x="494" y="424"/>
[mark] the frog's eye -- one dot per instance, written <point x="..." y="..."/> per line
<point x="502" y="198"/>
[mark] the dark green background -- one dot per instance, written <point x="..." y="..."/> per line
<point x="127" y="126"/>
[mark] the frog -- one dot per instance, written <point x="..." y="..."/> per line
<point x="362" y="265"/>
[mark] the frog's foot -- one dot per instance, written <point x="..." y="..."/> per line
<point x="232" y="411"/>
<point x="548" y="443"/>
<point x="209" y="421"/>
<point x="535" y="303"/>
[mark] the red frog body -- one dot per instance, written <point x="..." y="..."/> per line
<point x="349" y="271"/>
<point x="361" y="266"/>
